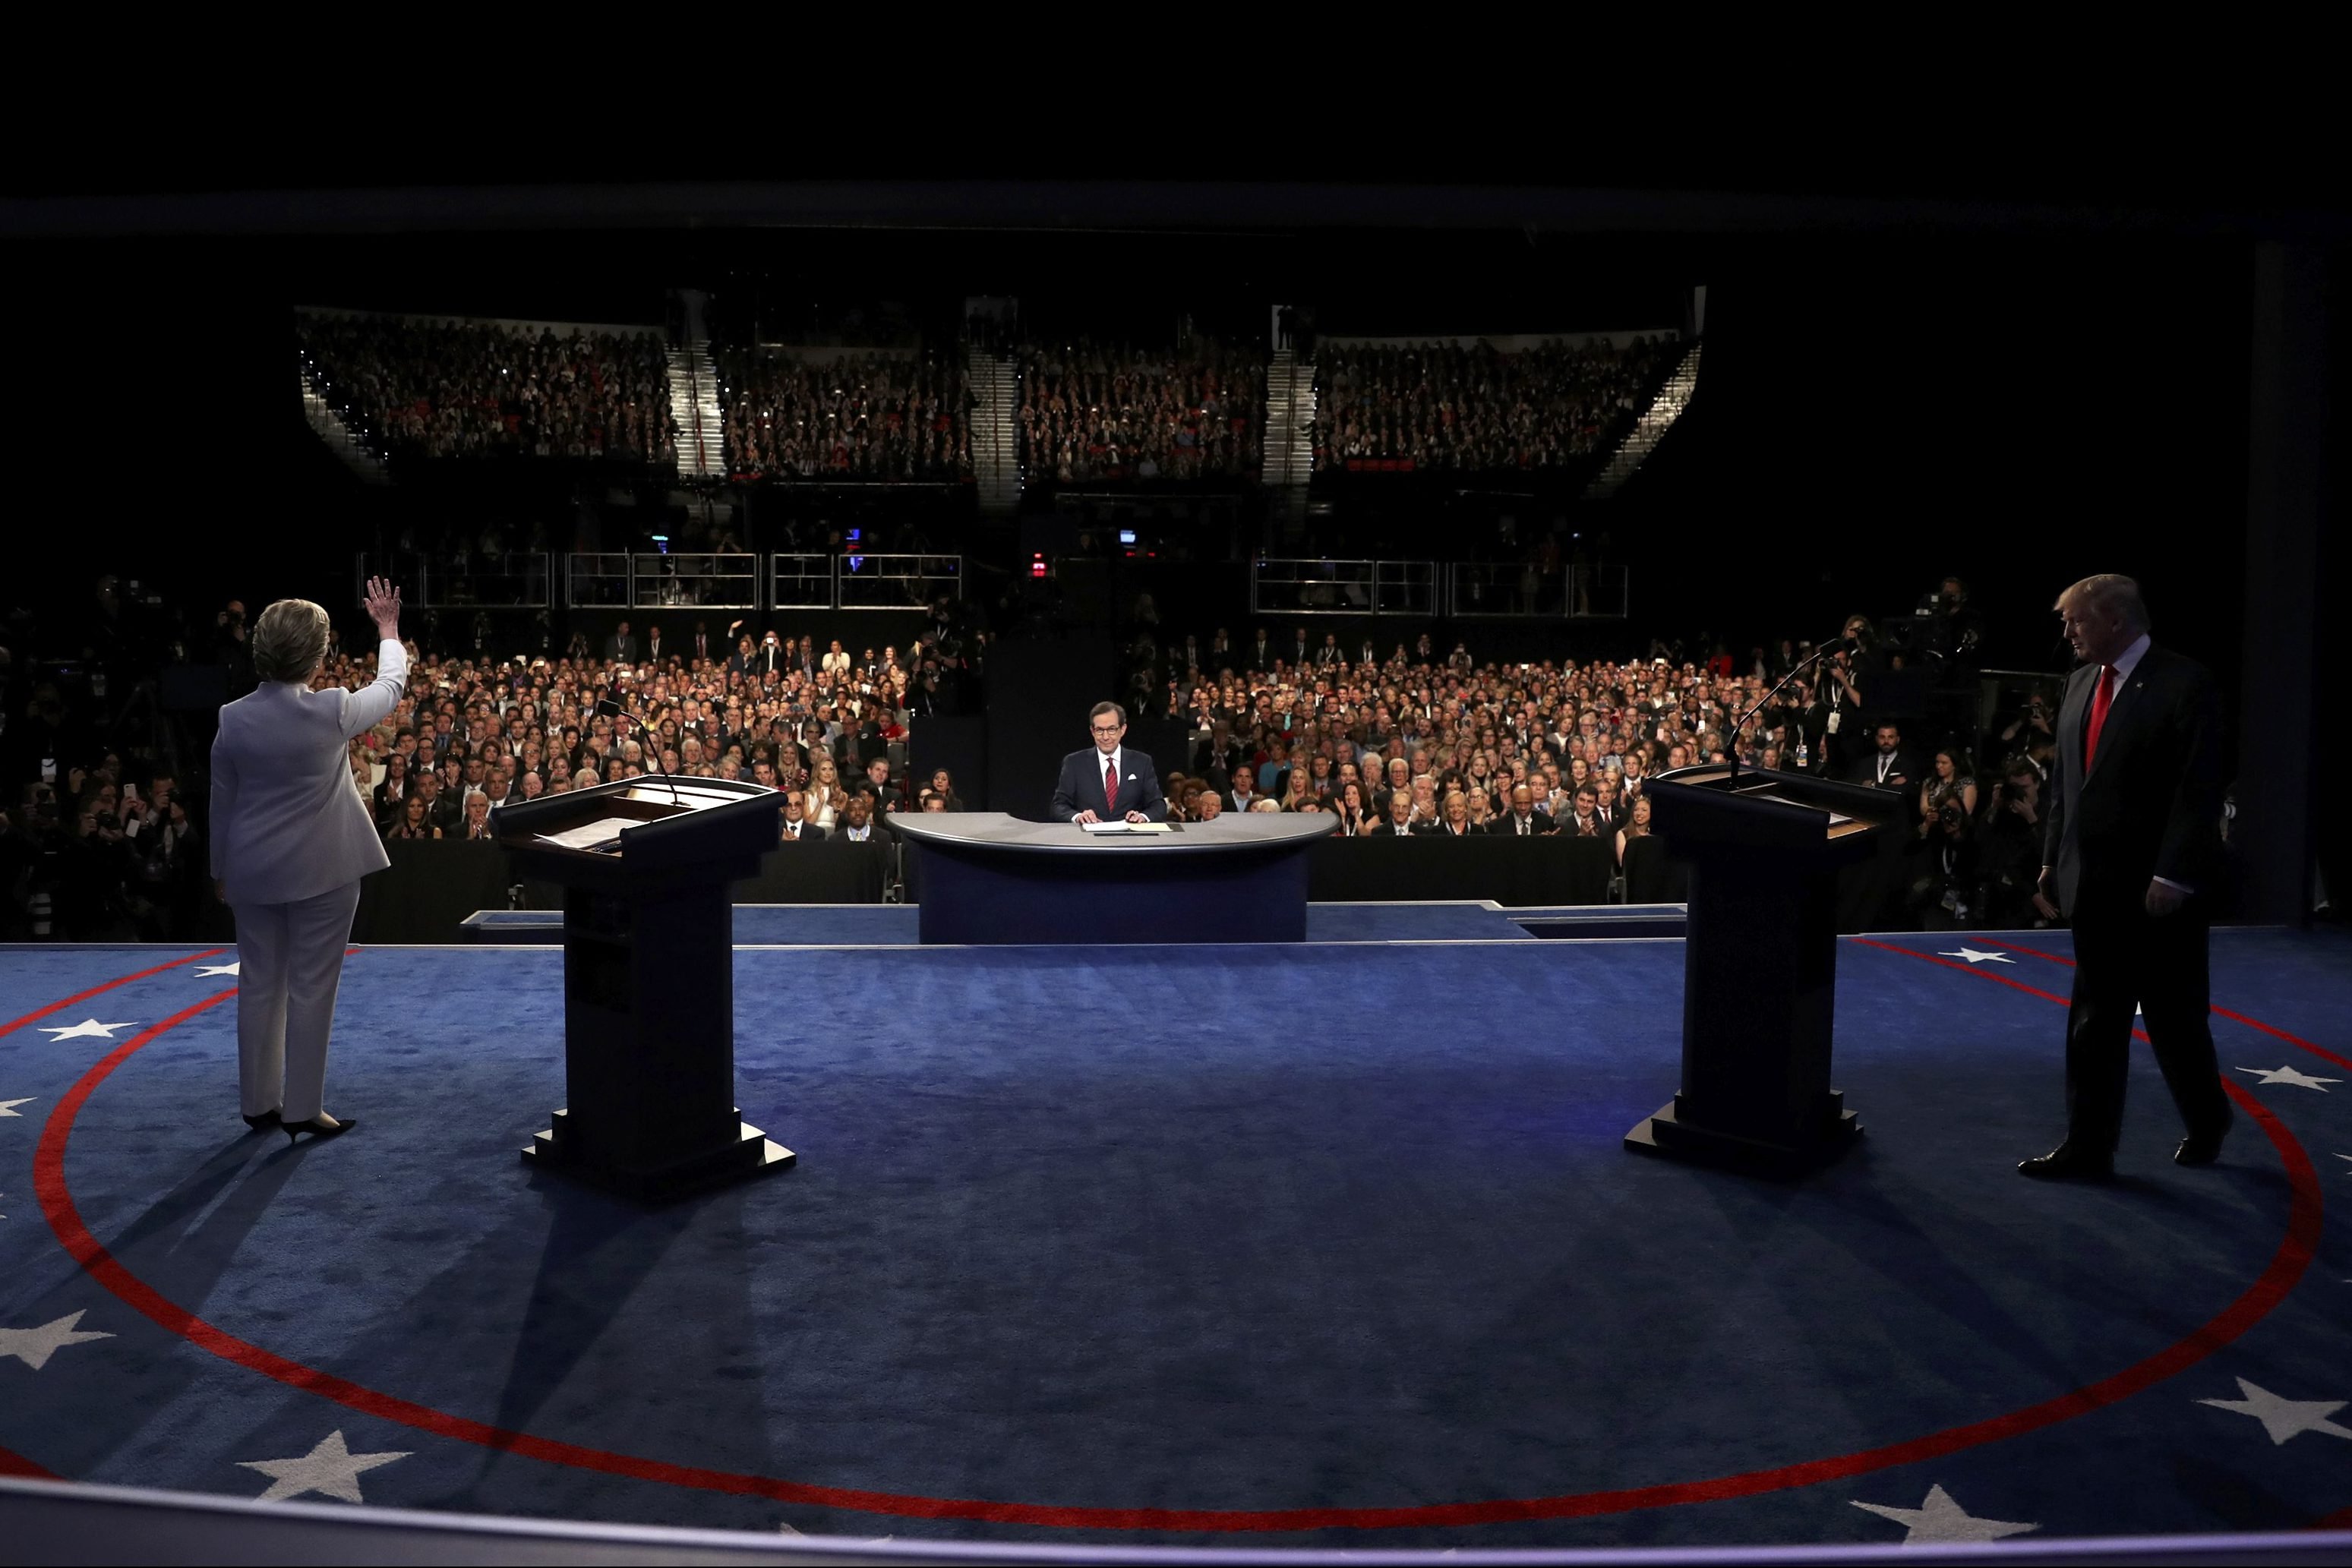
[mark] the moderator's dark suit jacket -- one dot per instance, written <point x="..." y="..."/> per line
<point x="2150" y="803"/>
<point x="1081" y="789"/>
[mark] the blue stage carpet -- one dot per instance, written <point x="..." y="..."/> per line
<point x="1334" y="1242"/>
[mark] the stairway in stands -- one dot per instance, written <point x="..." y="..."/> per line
<point x="1289" y="458"/>
<point x="694" y="404"/>
<point x="355" y="454"/>
<point x="995" y="393"/>
<point x="1650" y="428"/>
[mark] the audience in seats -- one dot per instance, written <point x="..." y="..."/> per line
<point x="870" y="416"/>
<point x="99" y="842"/>
<point x="1442" y="405"/>
<point x="1091" y="413"/>
<point x="452" y="389"/>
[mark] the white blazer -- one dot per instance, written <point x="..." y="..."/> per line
<point x="286" y="822"/>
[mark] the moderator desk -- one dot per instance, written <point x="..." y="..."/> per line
<point x="991" y="878"/>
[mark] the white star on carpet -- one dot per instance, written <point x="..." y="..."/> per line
<point x="2289" y="1075"/>
<point x="2283" y="1419"/>
<point x="8" y="1107"/>
<point x="89" y="1027"/>
<point x="1974" y="956"/>
<point x="1940" y="1519"/>
<point x="203" y="969"/>
<point x="34" y="1346"/>
<point x="331" y="1469"/>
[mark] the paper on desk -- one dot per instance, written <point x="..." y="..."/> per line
<point x="592" y="835"/>
<point x="1125" y="826"/>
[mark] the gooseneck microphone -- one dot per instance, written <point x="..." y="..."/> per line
<point x="612" y="709"/>
<point x="1840" y="644"/>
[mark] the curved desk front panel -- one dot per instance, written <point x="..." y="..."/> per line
<point x="989" y="878"/>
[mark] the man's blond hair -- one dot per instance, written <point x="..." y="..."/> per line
<point x="2108" y="593"/>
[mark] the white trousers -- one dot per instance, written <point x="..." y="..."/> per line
<point x="290" y="960"/>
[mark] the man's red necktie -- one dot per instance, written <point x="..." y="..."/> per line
<point x="1110" y="784"/>
<point x="2099" y="706"/>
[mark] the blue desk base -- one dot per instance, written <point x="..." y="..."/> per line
<point x="979" y="896"/>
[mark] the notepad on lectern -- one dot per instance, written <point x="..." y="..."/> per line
<point x="601" y="833"/>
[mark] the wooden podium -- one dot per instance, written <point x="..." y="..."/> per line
<point x="648" y="978"/>
<point x="1759" y="975"/>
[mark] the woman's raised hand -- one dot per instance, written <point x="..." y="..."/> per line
<point x="382" y="604"/>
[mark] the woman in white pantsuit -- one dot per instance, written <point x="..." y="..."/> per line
<point x="291" y="838"/>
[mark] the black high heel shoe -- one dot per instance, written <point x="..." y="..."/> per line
<point x="316" y="1128"/>
<point x="262" y="1123"/>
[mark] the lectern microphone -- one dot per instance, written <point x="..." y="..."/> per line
<point x="612" y="709"/>
<point x="1840" y="644"/>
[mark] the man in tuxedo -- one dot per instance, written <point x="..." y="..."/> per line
<point x="2131" y="852"/>
<point x="1522" y="821"/>
<point x="1106" y="782"/>
<point x="621" y="647"/>
<point x="1887" y="763"/>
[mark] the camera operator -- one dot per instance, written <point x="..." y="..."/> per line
<point x="2009" y="852"/>
<point x="1947" y="627"/>
<point x="233" y="649"/>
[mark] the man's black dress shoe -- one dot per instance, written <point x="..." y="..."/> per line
<point x="2062" y="1163"/>
<point x="2202" y="1148"/>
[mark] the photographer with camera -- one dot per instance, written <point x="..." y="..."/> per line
<point x="1947" y="830"/>
<point x="2008" y="852"/>
<point x="2032" y="725"/>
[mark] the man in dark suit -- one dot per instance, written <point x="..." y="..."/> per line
<point x="621" y="647"/>
<point x="1106" y="782"/>
<point x="1400" y="824"/>
<point x="2131" y="852"/>
<point x="653" y="643"/>
<point x="1522" y="821"/>
<point x="1261" y="653"/>
<point x="796" y="827"/>
<point x="1887" y="763"/>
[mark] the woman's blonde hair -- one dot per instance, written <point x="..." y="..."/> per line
<point x="289" y="640"/>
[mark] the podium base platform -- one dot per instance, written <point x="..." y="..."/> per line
<point x="750" y="1154"/>
<point x="1673" y="1136"/>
